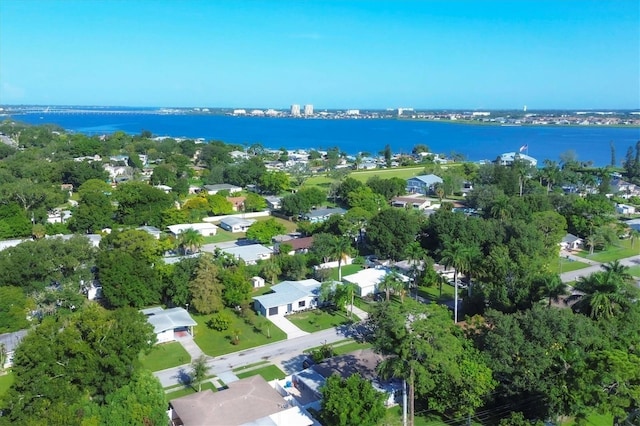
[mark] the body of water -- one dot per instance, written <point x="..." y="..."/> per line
<point x="475" y="142"/>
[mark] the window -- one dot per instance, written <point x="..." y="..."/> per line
<point x="301" y="304"/>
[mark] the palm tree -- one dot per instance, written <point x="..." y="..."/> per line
<point x="340" y="250"/>
<point x="619" y="271"/>
<point x="634" y="234"/>
<point x="350" y="289"/>
<point x="190" y="239"/>
<point x="415" y="253"/>
<point x="454" y="255"/>
<point x="554" y="288"/>
<point x="591" y="242"/>
<point x="501" y="208"/>
<point x="601" y="294"/>
<point x="271" y="269"/>
<point x="390" y="282"/>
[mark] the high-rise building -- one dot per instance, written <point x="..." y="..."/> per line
<point x="295" y="110"/>
<point x="308" y="109"/>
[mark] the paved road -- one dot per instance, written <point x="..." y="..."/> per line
<point x="287" y="354"/>
<point x="574" y="275"/>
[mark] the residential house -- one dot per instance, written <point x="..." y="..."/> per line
<point x="508" y="158"/>
<point x="273" y="202"/>
<point x="250" y="402"/>
<point x="624" y="189"/>
<point x="416" y="203"/>
<point x="151" y="230"/>
<point x="59" y="216"/>
<point x="167" y="322"/>
<point x="10" y="341"/>
<point x="236" y="224"/>
<point x="367" y="280"/>
<point x="625" y="209"/>
<point x="288" y="297"/>
<point x="571" y="242"/>
<point x="203" y="228"/>
<point x="164" y="188"/>
<point x="237" y="203"/>
<point x="298" y="245"/>
<point x="214" y="189"/>
<point x="320" y="215"/>
<point x="423" y="184"/>
<point x="251" y="253"/>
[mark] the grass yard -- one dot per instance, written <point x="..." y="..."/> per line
<point x="318" y="319"/>
<point x="635" y="271"/>
<point x="216" y="343"/>
<point x="620" y="250"/>
<point x="363" y="304"/>
<point x="394" y="418"/>
<point x="433" y="293"/>
<point x="400" y="172"/>
<point x="269" y="373"/>
<point x="6" y="380"/>
<point x="188" y="390"/>
<point x="593" y="419"/>
<point x="566" y="265"/>
<point x="288" y="225"/>
<point x="346" y="270"/>
<point x="165" y="356"/>
<point x="221" y="237"/>
<point x="350" y="347"/>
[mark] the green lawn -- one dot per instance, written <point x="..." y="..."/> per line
<point x="318" y="319"/>
<point x="566" y="265"/>
<point x="433" y="293"/>
<point x="221" y="237"/>
<point x="400" y="172"/>
<point x="165" y="356"/>
<point x="6" y="381"/>
<point x="346" y="270"/>
<point x="288" y="225"/>
<point x="269" y="373"/>
<point x="634" y="271"/>
<point x="593" y="419"/>
<point x="350" y="347"/>
<point x="188" y="390"/>
<point x="620" y="250"/>
<point x="215" y="343"/>
<point x="363" y="304"/>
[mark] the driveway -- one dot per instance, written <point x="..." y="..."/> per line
<point x="287" y="326"/>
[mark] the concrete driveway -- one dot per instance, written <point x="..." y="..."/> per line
<point x="287" y="326"/>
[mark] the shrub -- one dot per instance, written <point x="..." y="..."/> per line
<point x="219" y="321"/>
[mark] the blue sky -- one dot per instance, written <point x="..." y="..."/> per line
<point x="483" y="54"/>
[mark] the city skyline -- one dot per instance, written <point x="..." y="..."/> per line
<point x="370" y="55"/>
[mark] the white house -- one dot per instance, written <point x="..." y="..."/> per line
<point x="214" y="189"/>
<point x="151" y="230"/>
<point x="571" y="242"/>
<point x="251" y="253"/>
<point x="508" y="158"/>
<point x="236" y="224"/>
<point x="288" y="297"/>
<point x="410" y="202"/>
<point x="203" y="228"/>
<point x="367" y="280"/>
<point x="422" y="184"/>
<point x="625" y="209"/>
<point x="166" y="322"/>
<point x="320" y="215"/>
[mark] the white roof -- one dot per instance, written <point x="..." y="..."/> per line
<point x="249" y="253"/>
<point x="232" y="221"/>
<point x="181" y="227"/>
<point x="371" y="277"/>
<point x="168" y="319"/>
<point x="289" y="292"/>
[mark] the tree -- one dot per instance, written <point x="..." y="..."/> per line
<point x="141" y="401"/>
<point x="340" y="249"/>
<point x="274" y="182"/>
<point x="199" y="371"/>
<point x="271" y="269"/>
<point x="391" y="229"/>
<point x="391" y="282"/>
<point x="454" y="254"/>
<point x="351" y="402"/>
<point x="263" y="231"/>
<point x="141" y="204"/>
<point x="425" y="349"/>
<point x="387" y="155"/>
<point x="219" y="205"/>
<point x="254" y="203"/>
<point x="190" y="240"/>
<point x="94" y="213"/>
<point x="206" y="288"/>
<point x="13" y="310"/>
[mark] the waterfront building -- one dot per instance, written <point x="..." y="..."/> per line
<point x="508" y="158"/>
<point x="295" y="110"/>
<point x="308" y="109"/>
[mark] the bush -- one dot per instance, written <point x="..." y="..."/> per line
<point x="219" y="321"/>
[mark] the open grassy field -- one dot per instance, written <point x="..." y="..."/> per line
<point x="165" y="356"/>
<point x="318" y="319"/>
<point x="6" y="380"/>
<point x="215" y="343"/>
<point x="221" y="237"/>
<point x="620" y="250"/>
<point x="346" y="270"/>
<point x="270" y="372"/>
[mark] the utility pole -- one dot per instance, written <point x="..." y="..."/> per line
<point x="404" y="403"/>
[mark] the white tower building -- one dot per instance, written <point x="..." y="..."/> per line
<point x="308" y="109"/>
<point x="295" y="110"/>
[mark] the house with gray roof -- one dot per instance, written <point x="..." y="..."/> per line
<point x="422" y="184"/>
<point x="214" y="189"/>
<point x="251" y="253"/>
<point x="320" y="215"/>
<point x="571" y="242"/>
<point x="288" y="297"/>
<point x="166" y="322"/>
<point x="236" y="224"/>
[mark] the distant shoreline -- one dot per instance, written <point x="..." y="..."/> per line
<point x="480" y="123"/>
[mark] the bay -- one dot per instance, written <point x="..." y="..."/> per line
<point x="475" y="142"/>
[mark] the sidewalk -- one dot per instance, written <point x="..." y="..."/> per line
<point x="358" y="312"/>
